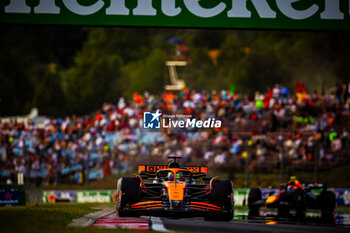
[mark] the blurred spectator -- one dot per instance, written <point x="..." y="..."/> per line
<point x="112" y="141"/>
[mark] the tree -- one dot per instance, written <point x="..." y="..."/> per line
<point x="48" y="94"/>
<point x="146" y="74"/>
<point x="92" y="81"/>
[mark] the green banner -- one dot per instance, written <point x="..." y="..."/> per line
<point x="80" y="196"/>
<point x="240" y="196"/>
<point x="95" y="196"/>
<point x="269" y="14"/>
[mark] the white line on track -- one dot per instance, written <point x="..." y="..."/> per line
<point x="157" y="224"/>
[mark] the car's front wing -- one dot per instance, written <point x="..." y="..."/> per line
<point x="159" y="208"/>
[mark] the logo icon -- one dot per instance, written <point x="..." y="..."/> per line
<point x="151" y="120"/>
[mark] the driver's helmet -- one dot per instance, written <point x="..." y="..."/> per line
<point x="179" y="176"/>
<point x="293" y="183"/>
<point x="170" y="176"/>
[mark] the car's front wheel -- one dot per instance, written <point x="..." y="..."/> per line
<point x="253" y="197"/>
<point x="222" y="194"/>
<point x="128" y="192"/>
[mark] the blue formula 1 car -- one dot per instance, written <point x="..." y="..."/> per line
<point x="294" y="196"/>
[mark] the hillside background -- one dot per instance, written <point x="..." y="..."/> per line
<point x="74" y="70"/>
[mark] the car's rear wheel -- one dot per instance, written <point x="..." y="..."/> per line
<point x="327" y="201"/>
<point x="284" y="205"/>
<point x="253" y="197"/>
<point x="222" y="193"/>
<point x="299" y="201"/>
<point x="283" y="211"/>
<point x="128" y="192"/>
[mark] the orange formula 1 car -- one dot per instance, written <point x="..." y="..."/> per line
<point x="172" y="191"/>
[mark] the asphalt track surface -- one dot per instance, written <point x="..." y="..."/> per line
<point x="264" y="223"/>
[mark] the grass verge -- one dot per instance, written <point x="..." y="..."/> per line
<point x="48" y="218"/>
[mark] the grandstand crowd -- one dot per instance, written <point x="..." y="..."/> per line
<point x="302" y="128"/>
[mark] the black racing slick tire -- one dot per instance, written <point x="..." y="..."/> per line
<point x="254" y="196"/>
<point x="299" y="203"/>
<point x="284" y="206"/>
<point x="128" y="193"/>
<point x="222" y="193"/>
<point x="327" y="202"/>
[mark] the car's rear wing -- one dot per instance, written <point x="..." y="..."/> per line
<point x="151" y="170"/>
